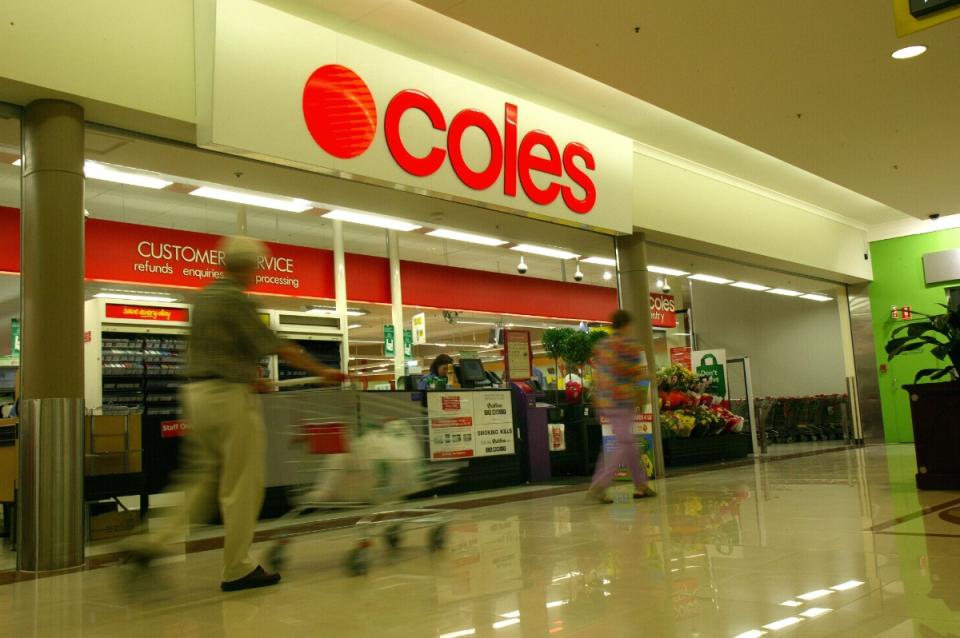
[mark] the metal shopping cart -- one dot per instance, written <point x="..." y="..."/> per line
<point x="340" y="449"/>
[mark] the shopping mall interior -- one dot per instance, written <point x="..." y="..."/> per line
<point x="451" y="222"/>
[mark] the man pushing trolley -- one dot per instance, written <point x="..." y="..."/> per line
<point x="223" y="456"/>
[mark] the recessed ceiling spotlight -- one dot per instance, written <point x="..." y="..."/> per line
<point x="607" y="275"/>
<point x="909" y="52"/>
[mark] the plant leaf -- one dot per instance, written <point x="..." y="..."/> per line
<point x="933" y="373"/>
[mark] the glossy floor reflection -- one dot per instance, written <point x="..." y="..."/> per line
<point x="832" y="545"/>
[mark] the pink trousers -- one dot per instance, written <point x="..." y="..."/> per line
<point x="624" y="452"/>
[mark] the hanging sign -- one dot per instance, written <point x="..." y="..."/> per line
<point x="712" y="364"/>
<point x="408" y="344"/>
<point x="419" y="329"/>
<point x="518" y="355"/>
<point x="389" y="341"/>
<point x="663" y="310"/>
<point x="15" y="337"/>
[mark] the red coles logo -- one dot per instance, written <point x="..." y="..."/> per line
<point x="341" y="116"/>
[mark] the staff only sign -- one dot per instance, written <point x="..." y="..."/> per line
<point x="143" y="254"/>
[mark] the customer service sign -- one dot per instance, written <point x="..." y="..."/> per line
<point x="320" y="100"/>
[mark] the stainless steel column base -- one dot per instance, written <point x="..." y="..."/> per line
<point x="50" y="533"/>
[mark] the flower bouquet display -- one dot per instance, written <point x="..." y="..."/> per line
<point x="687" y="410"/>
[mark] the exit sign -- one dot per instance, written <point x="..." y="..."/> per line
<point x="920" y="8"/>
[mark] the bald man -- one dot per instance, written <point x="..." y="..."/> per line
<point x="224" y="452"/>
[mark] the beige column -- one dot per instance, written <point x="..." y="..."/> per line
<point x="634" y="291"/>
<point x="50" y="482"/>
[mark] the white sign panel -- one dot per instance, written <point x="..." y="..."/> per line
<point x="451" y="425"/>
<point x="419" y="329"/>
<point x="494" y="424"/>
<point x="277" y="87"/>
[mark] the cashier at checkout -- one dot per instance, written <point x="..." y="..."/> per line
<point x="439" y="374"/>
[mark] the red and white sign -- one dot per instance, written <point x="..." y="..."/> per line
<point x="682" y="356"/>
<point x="663" y="310"/>
<point x="173" y="429"/>
<point x="450" y="416"/>
<point x="161" y="256"/>
<point x="320" y="99"/>
<point x="129" y="312"/>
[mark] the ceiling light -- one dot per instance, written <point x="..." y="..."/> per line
<point x="544" y="251"/>
<point x="354" y="326"/>
<point x="909" y="52"/>
<point x="600" y="261"/>
<point x="511" y="614"/>
<point x="18" y="161"/>
<point x="813" y="595"/>
<point x="459" y="634"/>
<point x="557" y="603"/>
<point x="107" y="173"/>
<point x="368" y="219"/>
<point x="813" y="297"/>
<point x="500" y="624"/>
<point x="813" y="612"/>
<point x="710" y="279"/>
<point x="748" y="286"/>
<point x="791" y="603"/>
<point x="123" y="296"/>
<point x="784" y="293"/>
<point x="753" y="633"/>
<point x="289" y="204"/>
<point x="781" y="624"/>
<point x="850" y="584"/>
<point x="456" y="235"/>
<point x="607" y="275"/>
<point x="673" y="272"/>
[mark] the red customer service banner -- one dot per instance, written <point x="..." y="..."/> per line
<point x="123" y="252"/>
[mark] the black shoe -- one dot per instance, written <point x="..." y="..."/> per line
<point x="257" y="578"/>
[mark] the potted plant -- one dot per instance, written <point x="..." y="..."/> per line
<point x="934" y="407"/>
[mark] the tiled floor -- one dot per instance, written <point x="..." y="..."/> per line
<point x="842" y="536"/>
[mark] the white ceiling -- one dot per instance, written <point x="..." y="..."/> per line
<point x="810" y="83"/>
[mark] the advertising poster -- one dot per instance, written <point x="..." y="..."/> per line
<point x="557" y="437"/>
<point x="517" y="355"/>
<point x="712" y="364"/>
<point x="682" y="356"/>
<point x="451" y="425"/>
<point x="419" y="324"/>
<point x="493" y="419"/>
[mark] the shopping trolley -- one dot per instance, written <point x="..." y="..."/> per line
<point x="341" y="449"/>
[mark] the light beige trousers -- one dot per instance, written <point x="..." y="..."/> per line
<point x="222" y="460"/>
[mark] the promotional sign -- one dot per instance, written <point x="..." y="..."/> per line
<point x="493" y="419"/>
<point x="173" y="429"/>
<point x="389" y="341"/>
<point x="407" y="344"/>
<point x="419" y="324"/>
<point x="712" y="364"/>
<point x="663" y="310"/>
<point x="557" y="437"/>
<point x="146" y="313"/>
<point x="327" y="102"/>
<point x="15" y="337"/>
<point x="682" y="355"/>
<point x="450" y="415"/>
<point x="518" y="355"/>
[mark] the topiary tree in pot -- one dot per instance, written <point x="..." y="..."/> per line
<point x="934" y="407"/>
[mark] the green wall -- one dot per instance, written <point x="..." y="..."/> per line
<point x="898" y="281"/>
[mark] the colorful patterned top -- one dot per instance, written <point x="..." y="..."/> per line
<point x="618" y="368"/>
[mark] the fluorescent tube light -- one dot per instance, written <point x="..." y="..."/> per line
<point x="544" y="251"/>
<point x="782" y="624"/>
<point x="354" y="326"/>
<point x="557" y="603"/>
<point x="850" y="584"/>
<point x="710" y="279"/>
<point x="753" y="633"/>
<point x="511" y="614"/>
<point x="600" y="261"/>
<point x="368" y="219"/>
<point x="748" y="286"/>
<point x="813" y="612"/>
<point x="123" y="296"/>
<point x="672" y="272"/>
<point x="784" y="293"/>
<point x="459" y="634"/>
<point x="107" y="173"/>
<point x="791" y="603"/>
<point x="813" y="297"/>
<point x="813" y="595"/>
<point x="289" y="204"/>
<point x="505" y="623"/>
<point x="456" y="235"/>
